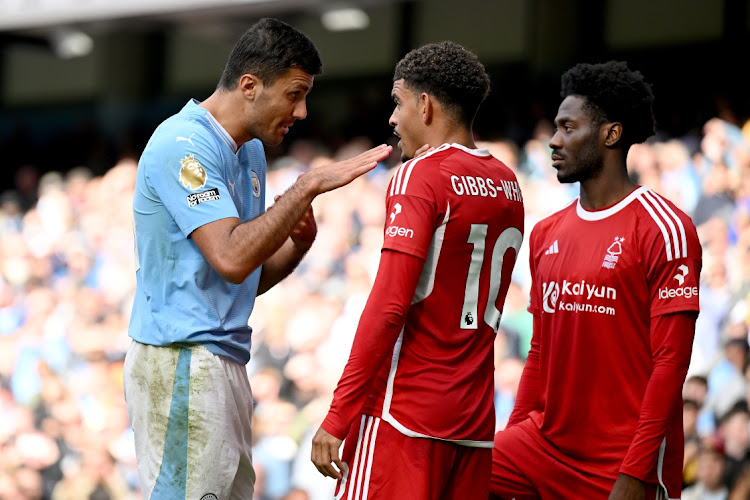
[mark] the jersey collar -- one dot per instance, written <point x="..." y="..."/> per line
<point x="603" y="214"/>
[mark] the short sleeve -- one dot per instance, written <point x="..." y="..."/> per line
<point x="412" y="211"/>
<point x="185" y="170"/>
<point x="674" y="259"/>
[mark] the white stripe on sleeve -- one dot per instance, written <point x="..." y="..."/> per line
<point x="667" y="242"/>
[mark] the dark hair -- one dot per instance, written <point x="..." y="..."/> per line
<point x="739" y="407"/>
<point x="691" y="403"/>
<point x="614" y="93"/>
<point x="701" y="379"/>
<point x="268" y="50"/>
<point x="448" y="72"/>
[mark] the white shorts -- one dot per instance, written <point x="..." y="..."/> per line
<point x="191" y="412"/>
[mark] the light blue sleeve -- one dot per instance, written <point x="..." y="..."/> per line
<point x="185" y="169"/>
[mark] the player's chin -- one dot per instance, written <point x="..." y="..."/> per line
<point x="273" y="140"/>
<point x="566" y="177"/>
<point x="405" y="154"/>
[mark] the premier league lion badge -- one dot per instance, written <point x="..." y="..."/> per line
<point x="192" y="173"/>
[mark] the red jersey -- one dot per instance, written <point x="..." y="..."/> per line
<point x="459" y="213"/>
<point x="601" y="280"/>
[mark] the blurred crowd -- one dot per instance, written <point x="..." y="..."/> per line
<point x="67" y="281"/>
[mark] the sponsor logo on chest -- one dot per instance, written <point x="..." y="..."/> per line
<point x="577" y="296"/>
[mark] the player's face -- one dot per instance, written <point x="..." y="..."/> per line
<point x="576" y="146"/>
<point x="278" y="106"/>
<point x="405" y="119"/>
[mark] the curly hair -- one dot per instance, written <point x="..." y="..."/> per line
<point x="448" y="72"/>
<point x="268" y="49"/>
<point x="614" y="93"/>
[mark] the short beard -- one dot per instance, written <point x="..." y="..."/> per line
<point x="587" y="165"/>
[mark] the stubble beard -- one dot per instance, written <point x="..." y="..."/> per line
<point x="588" y="163"/>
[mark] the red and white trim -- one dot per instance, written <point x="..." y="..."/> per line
<point x="669" y="223"/>
<point x="401" y="178"/>
<point x="662" y="213"/>
<point x="358" y="473"/>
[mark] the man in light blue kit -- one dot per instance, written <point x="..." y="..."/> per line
<point x="204" y="250"/>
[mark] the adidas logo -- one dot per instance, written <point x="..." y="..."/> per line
<point x="552" y="249"/>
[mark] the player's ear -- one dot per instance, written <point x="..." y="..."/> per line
<point x="426" y="108"/>
<point x="612" y="134"/>
<point x="250" y="85"/>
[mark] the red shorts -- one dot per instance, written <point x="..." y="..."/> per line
<point x="525" y="468"/>
<point x="382" y="463"/>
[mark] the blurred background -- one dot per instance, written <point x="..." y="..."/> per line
<point x="83" y="84"/>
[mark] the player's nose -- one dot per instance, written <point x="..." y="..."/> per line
<point x="300" y="111"/>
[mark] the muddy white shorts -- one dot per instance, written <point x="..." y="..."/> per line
<point x="191" y="412"/>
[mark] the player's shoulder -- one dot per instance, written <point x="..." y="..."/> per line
<point x="430" y="168"/>
<point x="656" y="212"/>
<point x="187" y="125"/>
<point x="182" y="134"/>
<point x="650" y="199"/>
<point x="411" y="176"/>
<point x="664" y="229"/>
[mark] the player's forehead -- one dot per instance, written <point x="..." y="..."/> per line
<point x="572" y="108"/>
<point x="399" y="89"/>
<point x="297" y="79"/>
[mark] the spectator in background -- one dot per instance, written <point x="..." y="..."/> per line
<point x="710" y="484"/>
<point x="734" y="429"/>
<point x="726" y="380"/>
<point x="690" y="411"/>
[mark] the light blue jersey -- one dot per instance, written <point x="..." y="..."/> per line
<point x="189" y="175"/>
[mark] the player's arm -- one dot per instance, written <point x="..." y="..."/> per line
<point x="286" y="258"/>
<point x="528" y="395"/>
<point x="379" y="326"/>
<point x="671" y="345"/>
<point x="236" y="249"/>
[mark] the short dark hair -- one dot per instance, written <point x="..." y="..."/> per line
<point x="268" y="49"/>
<point x="701" y="379"/>
<point x="614" y="93"/>
<point x="739" y="407"/>
<point x="450" y="73"/>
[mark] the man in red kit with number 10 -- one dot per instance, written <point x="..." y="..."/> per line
<point x="614" y="296"/>
<point x="415" y="401"/>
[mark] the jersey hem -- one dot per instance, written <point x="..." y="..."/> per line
<point x="414" y="434"/>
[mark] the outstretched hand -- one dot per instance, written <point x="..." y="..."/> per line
<point x="325" y="453"/>
<point x="335" y="175"/>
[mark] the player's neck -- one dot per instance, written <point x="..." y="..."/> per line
<point x="606" y="189"/>
<point x="223" y="107"/>
<point x="451" y="135"/>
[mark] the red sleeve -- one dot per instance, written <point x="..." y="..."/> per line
<point x="671" y="346"/>
<point x="528" y="396"/>
<point x="379" y="327"/>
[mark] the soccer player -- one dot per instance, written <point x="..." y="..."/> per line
<point x="415" y="401"/>
<point x="204" y="250"/>
<point x="615" y="297"/>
